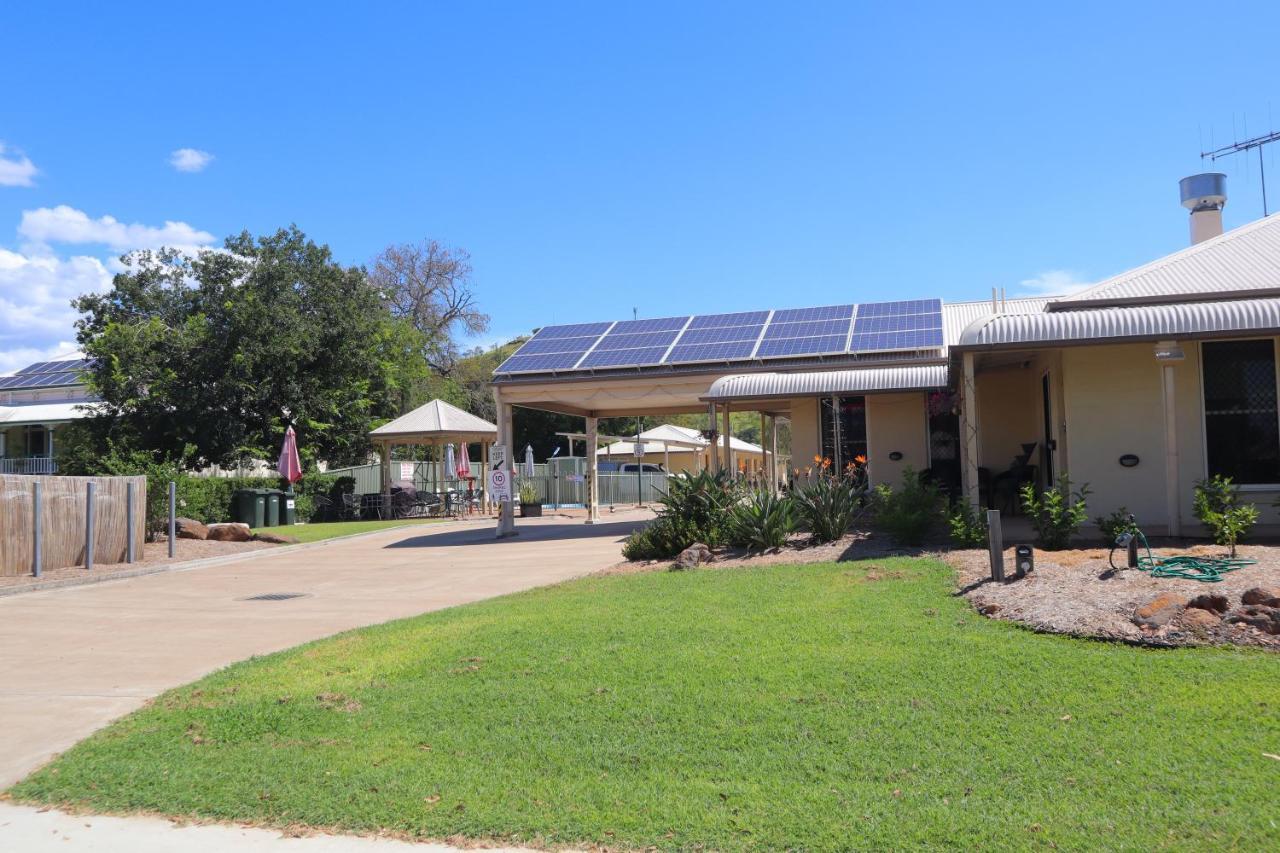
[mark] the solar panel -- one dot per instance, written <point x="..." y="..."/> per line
<point x="554" y="348"/>
<point x="782" y="347"/>
<point x="745" y="318"/>
<point x="907" y="325"/>
<point x="888" y="341"/>
<point x="810" y="329"/>
<point x="637" y="357"/>
<point x="647" y="339"/>
<point x="797" y="315"/>
<point x="661" y="324"/>
<point x="720" y="335"/>
<point x="726" y="351"/>
<point x="42" y="380"/>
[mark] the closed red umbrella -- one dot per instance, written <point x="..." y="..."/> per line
<point x="289" y="466"/>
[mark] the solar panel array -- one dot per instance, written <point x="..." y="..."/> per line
<point x="744" y="336"/>
<point x="44" y="374"/>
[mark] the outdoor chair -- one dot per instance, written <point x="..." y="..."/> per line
<point x="350" y="508"/>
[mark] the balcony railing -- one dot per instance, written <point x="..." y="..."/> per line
<point x="34" y="465"/>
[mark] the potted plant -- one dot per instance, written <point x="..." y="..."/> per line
<point x="530" y="503"/>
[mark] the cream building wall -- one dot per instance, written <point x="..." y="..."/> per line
<point x="1008" y="400"/>
<point x="896" y="422"/>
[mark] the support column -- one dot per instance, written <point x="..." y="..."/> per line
<point x="1173" y="510"/>
<point x="969" y="434"/>
<point x="728" y="451"/>
<point x="593" y="471"/>
<point x="506" y="509"/>
<point x="384" y="470"/>
<point x="713" y="449"/>
<point x="764" y="450"/>
<point x="484" y="477"/>
<point x="773" y="453"/>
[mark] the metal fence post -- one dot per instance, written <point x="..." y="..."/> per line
<point x="37" y="538"/>
<point x="130" y="544"/>
<point x="995" y="542"/>
<point x="173" y="519"/>
<point x="88" y="525"/>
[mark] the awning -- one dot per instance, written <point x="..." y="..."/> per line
<point x="43" y="413"/>
<point x="765" y="386"/>
<point x="1130" y="323"/>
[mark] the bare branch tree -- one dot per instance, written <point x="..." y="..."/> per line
<point x="430" y="285"/>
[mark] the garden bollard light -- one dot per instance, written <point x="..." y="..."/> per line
<point x="37" y="537"/>
<point x="995" y="543"/>
<point x="130" y="544"/>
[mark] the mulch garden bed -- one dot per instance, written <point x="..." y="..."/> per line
<point x="1072" y="592"/>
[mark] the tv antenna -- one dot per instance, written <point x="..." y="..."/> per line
<point x="1247" y="145"/>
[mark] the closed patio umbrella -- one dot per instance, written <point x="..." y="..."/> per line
<point x="449" y="466"/>
<point x="464" y="461"/>
<point x="289" y="466"/>
<point x="528" y="460"/>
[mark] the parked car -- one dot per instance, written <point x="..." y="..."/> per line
<point x="630" y="467"/>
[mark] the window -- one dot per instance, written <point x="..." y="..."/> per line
<point x="35" y="440"/>
<point x="1242" y="430"/>
<point x="843" y="437"/>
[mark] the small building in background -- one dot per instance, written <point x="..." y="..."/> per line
<point x="35" y="402"/>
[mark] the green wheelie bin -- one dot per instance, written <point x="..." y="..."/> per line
<point x="249" y="506"/>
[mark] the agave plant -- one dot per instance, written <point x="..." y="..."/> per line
<point x="761" y="522"/>
<point x="701" y="502"/>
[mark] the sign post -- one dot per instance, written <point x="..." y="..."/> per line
<point x="499" y="476"/>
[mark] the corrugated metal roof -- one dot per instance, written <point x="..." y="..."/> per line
<point x="774" y="385"/>
<point x="436" y="419"/>
<point x="1240" y="263"/>
<point x="957" y="316"/>
<point x="1140" y="322"/>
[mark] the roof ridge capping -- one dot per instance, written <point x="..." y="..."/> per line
<point x="1242" y="263"/>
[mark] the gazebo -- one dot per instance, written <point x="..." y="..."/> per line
<point x="433" y="424"/>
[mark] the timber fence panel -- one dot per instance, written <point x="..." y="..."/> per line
<point x="62" y="517"/>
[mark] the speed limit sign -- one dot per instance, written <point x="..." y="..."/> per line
<point x="500" y="484"/>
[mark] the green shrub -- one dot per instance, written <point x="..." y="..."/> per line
<point x="827" y="506"/>
<point x="661" y="539"/>
<point x="1115" y="525"/>
<point x="1057" y="513"/>
<point x="761" y="522"/>
<point x="313" y="486"/>
<point x="910" y="514"/>
<point x="528" y="493"/>
<point x="1217" y="505"/>
<point x="968" y="526"/>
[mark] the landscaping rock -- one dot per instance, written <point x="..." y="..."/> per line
<point x="274" y="538"/>
<point x="1160" y="611"/>
<point x="1212" y="603"/>
<point x="692" y="557"/>
<point x="233" y="531"/>
<point x="1259" y="616"/>
<point x="1266" y="595"/>
<point x="189" y="528"/>
<point x="1199" y="620"/>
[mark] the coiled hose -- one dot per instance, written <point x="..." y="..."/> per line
<point x="1206" y="569"/>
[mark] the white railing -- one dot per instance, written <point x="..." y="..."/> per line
<point x="34" y="465"/>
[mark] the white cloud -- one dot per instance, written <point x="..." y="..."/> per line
<point x="1054" y="283"/>
<point x="190" y="159"/>
<point x="37" y="284"/>
<point x="63" y="224"/>
<point x="36" y="317"/>
<point x="16" y="170"/>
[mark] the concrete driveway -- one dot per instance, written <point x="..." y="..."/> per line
<point x="72" y="660"/>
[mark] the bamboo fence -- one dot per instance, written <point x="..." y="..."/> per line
<point x="62" y="520"/>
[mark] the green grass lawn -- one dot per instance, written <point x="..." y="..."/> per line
<point x="813" y="706"/>
<point x="330" y="529"/>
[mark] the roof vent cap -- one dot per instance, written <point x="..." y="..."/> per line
<point x="1206" y="191"/>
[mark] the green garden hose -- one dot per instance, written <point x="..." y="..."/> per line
<point x="1206" y="569"/>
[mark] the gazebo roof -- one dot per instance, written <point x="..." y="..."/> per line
<point x="436" y="421"/>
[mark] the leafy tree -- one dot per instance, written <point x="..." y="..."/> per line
<point x="210" y="358"/>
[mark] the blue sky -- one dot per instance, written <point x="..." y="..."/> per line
<point x="596" y="158"/>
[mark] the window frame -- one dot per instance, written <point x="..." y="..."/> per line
<point x="1204" y="408"/>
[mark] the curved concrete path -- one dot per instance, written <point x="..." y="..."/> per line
<point x="72" y="660"/>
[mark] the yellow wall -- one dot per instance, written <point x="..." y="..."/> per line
<point x="804" y="432"/>
<point x="896" y="422"/>
<point x="1008" y="413"/>
<point x="1115" y="405"/>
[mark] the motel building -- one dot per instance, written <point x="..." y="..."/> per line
<point x="1140" y="386"/>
